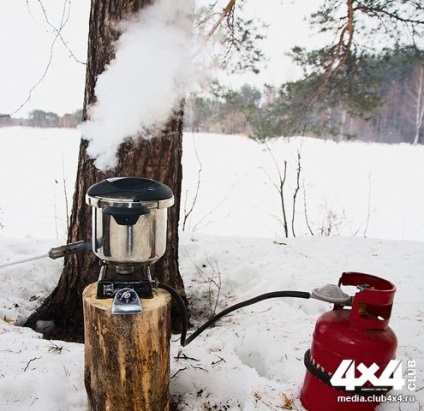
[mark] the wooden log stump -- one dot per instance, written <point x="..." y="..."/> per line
<point x="127" y="363"/>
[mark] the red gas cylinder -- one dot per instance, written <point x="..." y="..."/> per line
<point x="360" y="334"/>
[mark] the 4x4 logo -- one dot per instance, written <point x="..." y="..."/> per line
<point x="345" y="377"/>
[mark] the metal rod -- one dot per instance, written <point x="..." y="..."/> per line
<point x="25" y="260"/>
<point x="55" y="252"/>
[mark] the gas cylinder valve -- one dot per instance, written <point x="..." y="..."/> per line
<point x="362" y="287"/>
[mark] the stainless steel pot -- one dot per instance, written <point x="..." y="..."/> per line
<point x="129" y="219"/>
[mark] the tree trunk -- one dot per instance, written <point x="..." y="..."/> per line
<point x="127" y="362"/>
<point x="158" y="158"/>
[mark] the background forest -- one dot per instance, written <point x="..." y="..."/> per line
<point x="390" y="111"/>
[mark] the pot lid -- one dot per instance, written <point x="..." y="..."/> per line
<point x="129" y="190"/>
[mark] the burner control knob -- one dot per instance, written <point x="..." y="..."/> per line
<point x="126" y="301"/>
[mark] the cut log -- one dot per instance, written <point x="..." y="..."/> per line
<point x="127" y="363"/>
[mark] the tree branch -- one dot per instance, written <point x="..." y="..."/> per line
<point x="379" y="11"/>
<point x="229" y="9"/>
<point x="342" y="50"/>
<point x="59" y="30"/>
<point x="63" y="22"/>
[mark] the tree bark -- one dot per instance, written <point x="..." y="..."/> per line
<point x="158" y="158"/>
<point x="127" y="362"/>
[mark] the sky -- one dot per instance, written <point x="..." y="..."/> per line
<point x="28" y="42"/>
<point x="29" y="53"/>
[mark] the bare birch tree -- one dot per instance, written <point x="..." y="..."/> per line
<point x="415" y="112"/>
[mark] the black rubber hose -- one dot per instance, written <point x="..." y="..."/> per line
<point x="174" y="293"/>
<point x="274" y="294"/>
<point x="185" y="341"/>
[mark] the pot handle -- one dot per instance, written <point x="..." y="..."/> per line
<point x="124" y="215"/>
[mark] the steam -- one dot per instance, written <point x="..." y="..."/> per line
<point x="151" y="72"/>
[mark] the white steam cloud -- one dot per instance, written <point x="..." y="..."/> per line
<point x="151" y="72"/>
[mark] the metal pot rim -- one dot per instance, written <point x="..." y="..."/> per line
<point x="101" y="202"/>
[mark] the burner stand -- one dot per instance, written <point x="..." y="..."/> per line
<point x="115" y="277"/>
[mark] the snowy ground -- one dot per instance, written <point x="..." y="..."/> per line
<point x="252" y="359"/>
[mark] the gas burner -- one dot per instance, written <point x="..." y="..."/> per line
<point x="115" y="277"/>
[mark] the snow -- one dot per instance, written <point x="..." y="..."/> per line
<point x="252" y="358"/>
